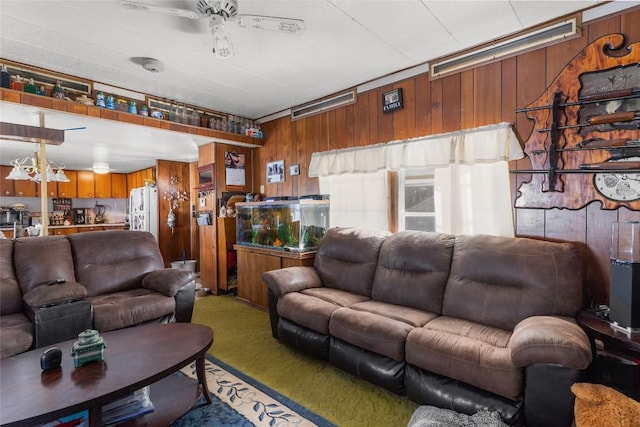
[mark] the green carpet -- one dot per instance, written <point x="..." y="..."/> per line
<point x="242" y="338"/>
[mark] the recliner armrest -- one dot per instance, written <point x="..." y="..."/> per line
<point x="292" y="279"/>
<point x="167" y="281"/>
<point x="550" y="339"/>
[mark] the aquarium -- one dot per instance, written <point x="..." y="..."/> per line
<point x="288" y="225"/>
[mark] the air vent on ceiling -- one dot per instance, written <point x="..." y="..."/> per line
<point x="321" y="106"/>
<point x="504" y="48"/>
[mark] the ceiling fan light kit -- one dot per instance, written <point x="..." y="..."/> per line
<point x="218" y="12"/>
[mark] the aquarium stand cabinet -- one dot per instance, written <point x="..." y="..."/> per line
<point x="254" y="261"/>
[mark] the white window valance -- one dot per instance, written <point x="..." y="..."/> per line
<point x="484" y="144"/>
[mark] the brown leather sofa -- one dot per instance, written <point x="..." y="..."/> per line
<point x="53" y="287"/>
<point x="460" y="322"/>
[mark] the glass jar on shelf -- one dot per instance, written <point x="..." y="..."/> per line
<point x="194" y="118"/>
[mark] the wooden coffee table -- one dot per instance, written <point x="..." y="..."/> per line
<point x="134" y="358"/>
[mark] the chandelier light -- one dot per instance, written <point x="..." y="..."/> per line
<point x="29" y="169"/>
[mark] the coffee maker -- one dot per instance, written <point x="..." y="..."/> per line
<point x="81" y="216"/>
<point x="624" y="293"/>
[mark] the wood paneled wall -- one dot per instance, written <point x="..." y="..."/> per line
<point x="484" y="95"/>
<point x="173" y="243"/>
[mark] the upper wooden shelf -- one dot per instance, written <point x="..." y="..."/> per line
<point x="55" y="104"/>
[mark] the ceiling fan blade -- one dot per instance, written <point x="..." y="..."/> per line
<point x="137" y="5"/>
<point x="271" y="23"/>
<point x="222" y="46"/>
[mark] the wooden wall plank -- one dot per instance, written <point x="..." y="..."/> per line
<point x="350" y="125"/>
<point x="374" y="106"/>
<point x="451" y="118"/>
<point x="361" y="117"/>
<point x="467" y="93"/>
<point x="487" y="86"/>
<point x="530" y="85"/>
<point x="404" y="120"/>
<point x="605" y="26"/>
<point x="299" y="134"/>
<point x="288" y="153"/>
<point x="340" y="129"/>
<point x="315" y="135"/>
<point x="559" y="55"/>
<point x="597" y="256"/>
<point x="436" y="106"/>
<point x="530" y="223"/>
<point x="423" y="105"/>
<point x="630" y="24"/>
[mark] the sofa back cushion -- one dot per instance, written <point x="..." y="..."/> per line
<point x="39" y="260"/>
<point x="347" y="258"/>
<point x="498" y="281"/>
<point x="115" y="260"/>
<point x="413" y="268"/>
<point x="10" y="293"/>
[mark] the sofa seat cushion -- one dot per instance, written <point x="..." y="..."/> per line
<point x="466" y="351"/>
<point x="312" y="308"/>
<point x="412" y="316"/>
<point x="17" y="334"/>
<point x="127" y="308"/>
<point x="376" y="333"/>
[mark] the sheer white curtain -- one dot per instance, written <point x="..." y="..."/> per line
<point x="472" y="178"/>
<point x="357" y="199"/>
<point x="473" y="199"/>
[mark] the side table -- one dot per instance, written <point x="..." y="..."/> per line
<point x="616" y="355"/>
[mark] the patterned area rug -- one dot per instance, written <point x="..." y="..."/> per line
<point x="239" y="400"/>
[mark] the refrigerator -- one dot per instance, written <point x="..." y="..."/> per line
<point x="143" y="210"/>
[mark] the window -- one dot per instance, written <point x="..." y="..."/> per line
<point x="416" y="202"/>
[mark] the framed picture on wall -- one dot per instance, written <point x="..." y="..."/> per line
<point x="392" y="100"/>
<point x="275" y="171"/>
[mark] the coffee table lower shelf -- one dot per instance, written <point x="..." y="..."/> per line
<point x="172" y="397"/>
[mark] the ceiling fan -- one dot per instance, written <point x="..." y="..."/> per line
<point x="219" y="12"/>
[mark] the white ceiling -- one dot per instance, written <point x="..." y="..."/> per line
<point x="346" y="43"/>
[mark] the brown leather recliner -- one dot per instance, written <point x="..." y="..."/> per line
<point x="118" y="275"/>
<point x="461" y="322"/>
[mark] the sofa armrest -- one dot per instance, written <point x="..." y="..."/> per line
<point x="167" y="281"/>
<point x="550" y="339"/>
<point x="292" y="279"/>
<point x="54" y="293"/>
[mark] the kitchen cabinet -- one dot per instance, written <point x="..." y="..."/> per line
<point x="13" y="188"/>
<point x="25" y="188"/>
<point x="52" y="189"/>
<point x="62" y="231"/>
<point x="7" y="188"/>
<point x="136" y="179"/>
<point x="119" y="186"/>
<point x="90" y="228"/>
<point x="253" y="262"/>
<point x="86" y="184"/>
<point x="102" y="185"/>
<point x="69" y="189"/>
